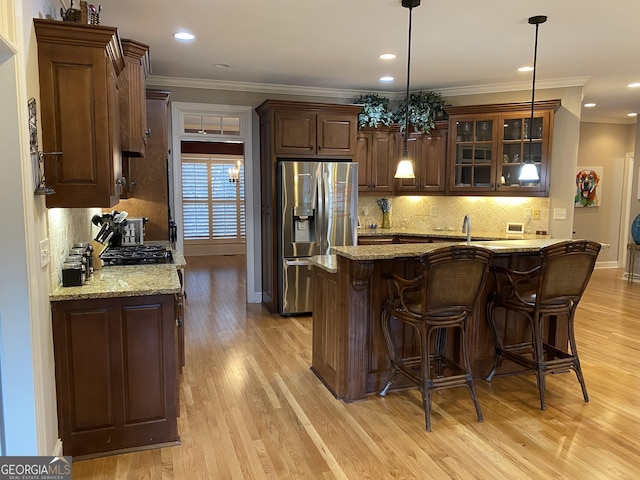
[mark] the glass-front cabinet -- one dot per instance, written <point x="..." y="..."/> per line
<point x="489" y="145"/>
<point x="473" y="162"/>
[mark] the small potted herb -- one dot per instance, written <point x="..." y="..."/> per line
<point x="375" y="111"/>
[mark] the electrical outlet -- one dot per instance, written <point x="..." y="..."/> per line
<point x="365" y="211"/>
<point x="535" y="214"/>
<point x="45" y="252"/>
<point x="433" y="211"/>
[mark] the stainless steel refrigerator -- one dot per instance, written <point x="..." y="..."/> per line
<point x="318" y="209"/>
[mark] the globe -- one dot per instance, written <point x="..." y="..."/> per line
<point x="635" y="229"/>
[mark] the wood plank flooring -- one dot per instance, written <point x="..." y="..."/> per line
<point x="252" y="409"/>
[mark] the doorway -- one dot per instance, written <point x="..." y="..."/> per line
<point x="228" y="124"/>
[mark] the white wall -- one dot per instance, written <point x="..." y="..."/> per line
<point x="604" y="145"/>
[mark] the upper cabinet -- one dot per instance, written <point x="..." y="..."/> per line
<point x="131" y="98"/>
<point x="429" y="154"/>
<point x="78" y="68"/>
<point x="312" y="129"/>
<point x="489" y="144"/>
<point x="376" y="157"/>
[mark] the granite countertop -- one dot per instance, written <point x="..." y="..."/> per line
<point x="325" y="262"/>
<point x="124" y="281"/>
<point x="383" y="252"/>
<point x="457" y="233"/>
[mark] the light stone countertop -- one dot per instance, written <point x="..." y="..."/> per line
<point x="384" y="252"/>
<point x="124" y="281"/>
<point x="457" y="233"/>
<point x="325" y="262"/>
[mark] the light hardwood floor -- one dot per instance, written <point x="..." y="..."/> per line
<point x="251" y="408"/>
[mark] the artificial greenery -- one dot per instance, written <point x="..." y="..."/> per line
<point x="375" y="110"/>
<point x="423" y="109"/>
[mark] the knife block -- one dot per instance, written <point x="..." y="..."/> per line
<point x="98" y="248"/>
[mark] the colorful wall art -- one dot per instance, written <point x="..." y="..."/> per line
<point x="588" y="187"/>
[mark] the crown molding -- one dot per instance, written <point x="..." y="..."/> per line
<point x="156" y="80"/>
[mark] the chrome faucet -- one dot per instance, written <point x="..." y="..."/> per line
<point x="466" y="227"/>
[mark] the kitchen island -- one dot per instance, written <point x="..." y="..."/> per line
<point x="117" y="359"/>
<point x="349" y="351"/>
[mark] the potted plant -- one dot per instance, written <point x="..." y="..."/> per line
<point x="423" y="110"/>
<point x="375" y="110"/>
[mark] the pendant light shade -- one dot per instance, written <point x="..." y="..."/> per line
<point x="405" y="167"/>
<point x="529" y="172"/>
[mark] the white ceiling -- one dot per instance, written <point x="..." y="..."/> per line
<point x="458" y="46"/>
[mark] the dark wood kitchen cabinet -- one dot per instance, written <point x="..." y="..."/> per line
<point x="131" y="98"/>
<point x="296" y="130"/>
<point x="313" y="129"/>
<point x="78" y="68"/>
<point x="429" y="154"/>
<point x="376" y="157"/>
<point x="116" y="364"/>
<point x="489" y="143"/>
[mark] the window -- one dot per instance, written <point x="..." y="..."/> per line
<point x="213" y="207"/>
<point x="212" y="124"/>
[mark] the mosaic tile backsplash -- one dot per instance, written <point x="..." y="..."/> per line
<point x="488" y="214"/>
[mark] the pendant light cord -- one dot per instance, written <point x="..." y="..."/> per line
<point x="537" y="20"/>
<point x="533" y="93"/>
<point x="406" y="115"/>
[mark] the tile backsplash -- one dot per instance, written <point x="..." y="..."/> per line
<point x="488" y="214"/>
<point x="67" y="226"/>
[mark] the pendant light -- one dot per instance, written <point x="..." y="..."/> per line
<point x="405" y="167"/>
<point x="529" y="172"/>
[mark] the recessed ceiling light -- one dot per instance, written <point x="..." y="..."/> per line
<point x="387" y="79"/>
<point x="184" y="36"/>
<point x="634" y="85"/>
<point x="589" y="105"/>
<point x="221" y="65"/>
<point x="632" y="114"/>
<point x="525" y="69"/>
<point x="387" y="56"/>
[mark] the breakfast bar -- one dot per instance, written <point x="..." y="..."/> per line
<point x="349" y="351"/>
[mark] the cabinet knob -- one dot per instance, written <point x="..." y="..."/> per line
<point x="147" y="132"/>
<point x="311" y="147"/>
<point x="121" y="182"/>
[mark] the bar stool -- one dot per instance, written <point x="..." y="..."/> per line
<point x="552" y="289"/>
<point x="442" y="298"/>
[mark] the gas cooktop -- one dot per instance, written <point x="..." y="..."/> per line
<point x="136" y="255"/>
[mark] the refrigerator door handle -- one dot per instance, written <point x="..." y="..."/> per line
<point x="297" y="262"/>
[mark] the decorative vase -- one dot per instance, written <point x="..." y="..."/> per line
<point x="386" y="222"/>
<point x="635" y="229"/>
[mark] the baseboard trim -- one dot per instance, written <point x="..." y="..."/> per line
<point x="611" y="264"/>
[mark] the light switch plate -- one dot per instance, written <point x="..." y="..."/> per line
<point x="45" y="252"/>
<point x="559" y="213"/>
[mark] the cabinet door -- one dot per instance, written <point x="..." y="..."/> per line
<point x="519" y="138"/>
<point x="383" y="162"/>
<point x="432" y="165"/>
<point x="325" y="356"/>
<point x="376" y="157"/>
<point x="472" y="163"/>
<point x="295" y="132"/>
<point x="336" y="134"/>
<point x="132" y="105"/>
<point x="364" y="153"/>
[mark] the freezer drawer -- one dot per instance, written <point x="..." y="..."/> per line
<point x="297" y="289"/>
